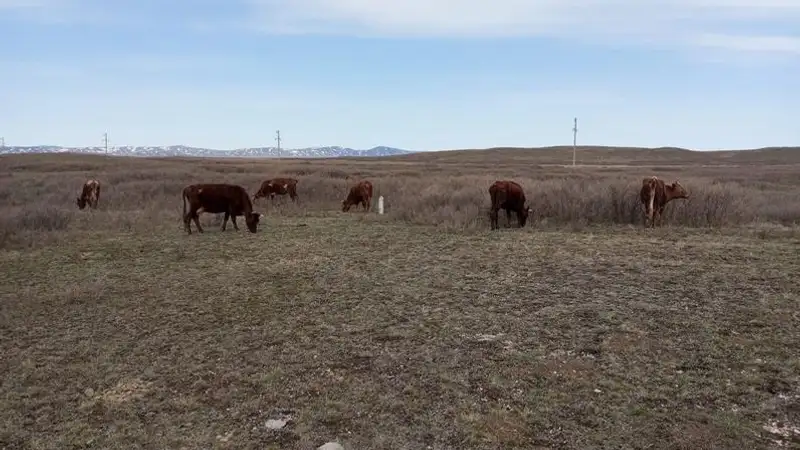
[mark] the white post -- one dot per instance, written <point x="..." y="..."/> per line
<point x="380" y="205"/>
<point x="574" y="140"/>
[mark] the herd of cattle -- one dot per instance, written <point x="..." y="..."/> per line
<point x="233" y="200"/>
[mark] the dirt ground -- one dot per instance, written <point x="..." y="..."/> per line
<point x="118" y="330"/>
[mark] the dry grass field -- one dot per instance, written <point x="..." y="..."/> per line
<point x="417" y="329"/>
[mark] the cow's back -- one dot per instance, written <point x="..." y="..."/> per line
<point x="219" y="198"/>
<point x="652" y="186"/>
<point x="277" y="186"/>
<point x="367" y="188"/>
<point x="90" y="188"/>
<point x="285" y="181"/>
<point x="363" y="189"/>
<point x="507" y="194"/>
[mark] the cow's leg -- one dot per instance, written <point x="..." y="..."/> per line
<point x="225" y="220"/>
<point x="196" y="218"/>
<point x="648" y="216"/>
<point x="508" y="218"/>
<point x="493" y="216"/>
<point x="187" y="218"/>
<point x="661" y="216"/>
<point x="233" y="220"/>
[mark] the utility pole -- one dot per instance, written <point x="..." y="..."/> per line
<point x="105" y="141"/>
<point x="278" y="138"/>
<point x="2" y="143"/>
<point x="574" y="140"/>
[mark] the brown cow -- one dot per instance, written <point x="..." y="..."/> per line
<point x="507" y="195"/>
<point x="655" y="194"/>
<point x="277" y="186"/>
<point x="218" y="198"/>
<point x="89" y="195"/>
<point x="360" y="193"/>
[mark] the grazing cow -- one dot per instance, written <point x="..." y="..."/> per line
<point x="218" y="198"/>
<point x="89" y="195"/>
<point x="360" y="193"/>
<point x="277" y="186"/>
<point x="654" y="195"/>
<point x="508" y="195"/>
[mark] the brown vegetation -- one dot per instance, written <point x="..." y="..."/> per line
<point x="417" y="329"/>
<point x="427" y="189"/>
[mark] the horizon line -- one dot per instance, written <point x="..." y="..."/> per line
<point x="502" y="147"/>
<point x="201" y="148"/>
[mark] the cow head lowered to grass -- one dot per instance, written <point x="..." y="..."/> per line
<point x="218" y="198"/>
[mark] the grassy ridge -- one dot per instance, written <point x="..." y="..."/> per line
<point x="38" y="191"/>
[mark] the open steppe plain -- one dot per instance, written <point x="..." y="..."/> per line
<point x="416" y="329"/>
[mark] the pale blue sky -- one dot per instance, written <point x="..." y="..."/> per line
<point x="414" y="74"/>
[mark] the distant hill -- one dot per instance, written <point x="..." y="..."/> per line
<point x="182" y="150"/>
<point x="557" y="155"/>
<point x="606" y="155"/>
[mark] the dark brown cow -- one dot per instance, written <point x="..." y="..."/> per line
<point x="277" y="186"/>
<point x="360" y="193"/>
<point x="654" y="195"/>
<point x="89" y="195"/>
<point x="218" y="198"/>
<point x="508" y="195"/>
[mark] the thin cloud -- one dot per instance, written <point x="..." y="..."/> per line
<point x="757" y="44"/>
<point x="25" y="4"/>
<point x="693" y="22"/>
<point x="711" y="26"/>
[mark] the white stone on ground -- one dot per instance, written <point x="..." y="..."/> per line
<point x="331" y="446"/>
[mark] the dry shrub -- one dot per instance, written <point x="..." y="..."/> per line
<point x="43" y="219"/>
<point x="23" y="226"/>
<point x="588" y="200"/>
<point x="142" y="194"/>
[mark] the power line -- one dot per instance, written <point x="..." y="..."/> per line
<point x="574" y="140"/>
<point x="278" y="138"/>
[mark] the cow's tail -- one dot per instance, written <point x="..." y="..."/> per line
<point x="651" y="193"/>
<point x="183" y="197"/>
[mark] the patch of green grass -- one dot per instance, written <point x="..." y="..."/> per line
<point x="381" y="335"/>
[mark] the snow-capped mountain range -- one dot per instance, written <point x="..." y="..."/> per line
<point x="183" y="150"/>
